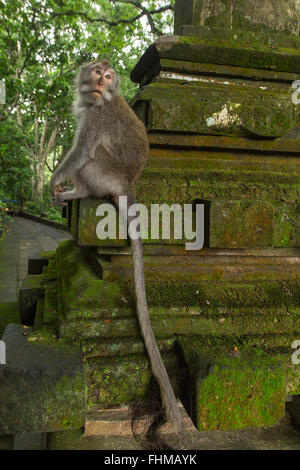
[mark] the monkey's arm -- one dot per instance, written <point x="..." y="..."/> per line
<point x="77" y="157"/>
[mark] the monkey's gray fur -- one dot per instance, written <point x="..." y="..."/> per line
<point x="108" y="155"/>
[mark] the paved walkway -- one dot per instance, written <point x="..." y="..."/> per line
<point x="25" y="239"/>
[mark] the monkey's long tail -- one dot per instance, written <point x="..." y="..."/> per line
<point x="159" y="371"/>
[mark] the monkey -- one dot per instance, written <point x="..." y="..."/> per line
<point x="109" y="152"/>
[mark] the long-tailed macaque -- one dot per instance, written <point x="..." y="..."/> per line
<point x="108" y="155"/>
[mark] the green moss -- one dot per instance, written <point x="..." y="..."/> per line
<point x="114" y="382"/>
<point x="80" y="287"/>
<point x="223" y="51"/>
<point x="230" y="399"/>
<point x="238" y="224"/>
<point x="232" y="108"/>
<point x="6" y="442"/>
<point x="47" y="335"/>
<point x="227" y="294"/>
<point x="48" y="254"/>
<point x="69" y="391"/>
<point x="287" y="224"/>
<point x="9" y="313"/>
<point x="234" y="389"/>
<point x="50" y="316"/>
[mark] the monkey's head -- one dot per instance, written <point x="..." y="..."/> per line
<point x="97" y="82"/>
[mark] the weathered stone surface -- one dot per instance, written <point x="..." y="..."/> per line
<point x="195" y="69"/>
<point x="168" y="326"/>
<point x="116" y="347"/>
<point x="85" y="233"/>
<point x="80" y="289"/>
<point x="219" y="109"/>
<point x="30" y="441"/>
<point x="41" y="386"/>
<point x="119" y="380"/>
<point x="117" y="422"/>
<point x="243" y="388"/>
<point x="244" y="185"/>
<point x="287" y="225"/>
<point x="239" y="49"/>
<point x="182" y="142"/>
<point x="241" y="224"/>
<point x="266" y="15"/>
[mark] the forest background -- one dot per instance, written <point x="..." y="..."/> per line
<point x="42" y="45"/>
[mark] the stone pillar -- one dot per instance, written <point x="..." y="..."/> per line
<point x="268" y="16"/>
<point x="217" y="101"/>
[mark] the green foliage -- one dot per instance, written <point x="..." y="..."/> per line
<point x="44" y="209"/>
<point x="42" y="44"/>
<point x="14" y="165"/>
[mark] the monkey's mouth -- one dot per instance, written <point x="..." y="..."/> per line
<point x="96" y="91"/>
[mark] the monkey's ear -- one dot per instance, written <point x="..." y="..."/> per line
<point x="84" y="66"/>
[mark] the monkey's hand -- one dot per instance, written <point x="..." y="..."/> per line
<point x="55" y="184"/>
<point x="57" y="190"/>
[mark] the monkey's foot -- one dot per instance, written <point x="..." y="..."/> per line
<point x="58" y="200"/>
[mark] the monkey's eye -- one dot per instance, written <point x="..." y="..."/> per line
<point x="108" y="76"/>
<point x="99" y="71"/>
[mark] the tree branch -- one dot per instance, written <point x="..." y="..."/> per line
<point x="144" y="12"/>
<point x="51" y="143"/>
<point x="43" y="136"/>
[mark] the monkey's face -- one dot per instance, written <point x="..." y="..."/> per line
<point x="98" y="82"/>
<point x="102" y="79"/>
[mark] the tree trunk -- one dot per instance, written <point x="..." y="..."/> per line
<point x="40" y="157"/>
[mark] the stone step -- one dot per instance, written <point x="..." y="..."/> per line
<point x="211" y="160"/>
<point x="167" y="326"/>
<point x="115" y="347"/>
<point x="35" y="265"/>
<point x="31" y="291"/>
<point x="211" y="255"/>
<point x="99" y="347"/>
<point x="117" y="422"/>
<point x="204" y="269"/>
<point x="275" y="146"/>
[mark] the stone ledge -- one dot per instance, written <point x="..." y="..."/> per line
<point x="42" y="220"/>
<point x="117" y="422"/>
